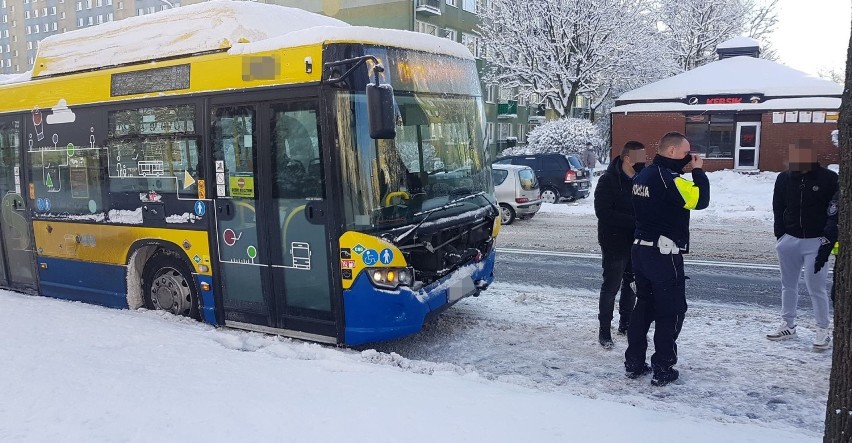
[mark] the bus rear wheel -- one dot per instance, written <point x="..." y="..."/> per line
<point x="167" y="285"/>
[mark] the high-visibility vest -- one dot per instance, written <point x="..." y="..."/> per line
<point x="836" y="248"/>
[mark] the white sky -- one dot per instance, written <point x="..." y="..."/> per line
<point x="813" y="35"/>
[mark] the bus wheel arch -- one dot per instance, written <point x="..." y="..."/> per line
<point x="159" y="277"/>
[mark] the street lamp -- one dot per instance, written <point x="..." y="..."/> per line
<point x="168" y="3"/>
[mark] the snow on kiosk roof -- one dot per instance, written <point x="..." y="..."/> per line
<point x="237" y="26"/>
<point x="739" y="42"/>
<point x="736" y="75"/>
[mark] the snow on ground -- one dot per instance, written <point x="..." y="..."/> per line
<point x="732" y="196"/>
<point x="78" y="373"/>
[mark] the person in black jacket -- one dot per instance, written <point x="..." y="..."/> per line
<point x="616" y="223"/>
<point x="662" y="200"/>
<point x="800" y="204"/>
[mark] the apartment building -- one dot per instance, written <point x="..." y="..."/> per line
<point x="509" y="117"/>
<point x="26" y="22"/>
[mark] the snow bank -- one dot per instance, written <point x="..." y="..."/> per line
<point x="99" y="375"/>
<point x="733" y="197"/>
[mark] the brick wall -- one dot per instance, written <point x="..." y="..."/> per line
<point x="644" y="127"/>
<point x="648" y="127"/>
<point x="776" y="138"/>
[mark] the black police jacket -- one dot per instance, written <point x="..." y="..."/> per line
<point x="614" y="208"/>
<point x="662" y="200"/>
<point x="800" y="202"/>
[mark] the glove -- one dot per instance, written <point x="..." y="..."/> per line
<point x="822" y="256"/>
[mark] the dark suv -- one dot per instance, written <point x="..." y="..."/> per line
<point x="559" y="176"/>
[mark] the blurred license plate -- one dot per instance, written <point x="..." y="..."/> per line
<point x="459" y="289"/>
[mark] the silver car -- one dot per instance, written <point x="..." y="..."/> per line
<point x="516" y="188"/>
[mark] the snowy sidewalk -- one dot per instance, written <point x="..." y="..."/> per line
<point x="78" y="373"/>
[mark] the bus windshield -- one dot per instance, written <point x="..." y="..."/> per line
<point x="436" y="160"/>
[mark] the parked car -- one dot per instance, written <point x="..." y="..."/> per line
<point x="517" y="191"/>
<point x="559" y="176"/>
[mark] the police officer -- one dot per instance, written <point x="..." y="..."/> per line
<point x="662" y="200"/>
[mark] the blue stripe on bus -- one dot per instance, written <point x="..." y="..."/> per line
<point x="374" y="315"/>
<point x="97" y="283"/>
<point x="208" y="305"/>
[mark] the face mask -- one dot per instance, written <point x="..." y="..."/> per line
<point x="683" y="162"/>
<point x="638" y="166"/>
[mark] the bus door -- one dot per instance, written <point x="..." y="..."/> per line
<point x="17" y="256"/>
<point x="270" y="219"/>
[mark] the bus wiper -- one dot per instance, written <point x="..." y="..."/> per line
<point x="452" y="204"/>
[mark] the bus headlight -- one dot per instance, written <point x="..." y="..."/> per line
<point x="390" y="278"/>
<point x="405" y="277"/>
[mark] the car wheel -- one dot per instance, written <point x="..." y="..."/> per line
<point x="550" y="195"/>
<point x="167" y="285"/>
<point x="507" y="214"/>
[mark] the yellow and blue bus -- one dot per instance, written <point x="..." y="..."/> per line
<point x="231" y="174"/>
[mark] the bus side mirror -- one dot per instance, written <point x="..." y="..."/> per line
<point x="380" y="111"/>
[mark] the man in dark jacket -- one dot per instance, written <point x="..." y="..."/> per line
<point x="662" y="200"/>
<point x="616" y="223"/>
<point x="801" y="203"/>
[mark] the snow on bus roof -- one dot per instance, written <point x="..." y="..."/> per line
<point x="378" y="36"/>
<point x="244" y="27"/>
<point x="208" y="26"/>
<point x="6" y="79"/>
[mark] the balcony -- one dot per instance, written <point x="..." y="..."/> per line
<point x="508" y="109"/>
<point x="429" y="7"/>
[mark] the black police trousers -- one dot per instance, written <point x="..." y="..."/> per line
<point x="660" y="299"/>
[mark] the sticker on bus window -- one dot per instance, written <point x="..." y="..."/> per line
<point x="242" y="186"/>
<point x="79" y="177"/>
<point x="202" y="190"/>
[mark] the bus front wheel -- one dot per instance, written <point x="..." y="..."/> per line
<point x="167" y="285"/>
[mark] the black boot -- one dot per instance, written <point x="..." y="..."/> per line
<point x="604" y="337"/>
<point x="623" y="325"/>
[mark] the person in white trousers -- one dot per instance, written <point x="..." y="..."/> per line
<point x="801" y="203"/>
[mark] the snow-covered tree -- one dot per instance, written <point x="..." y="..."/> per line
<point x="563" y="136"/>
<point x="558" y="50"/>
<point x="693" y="28"/>
<point x="833" y="74"/>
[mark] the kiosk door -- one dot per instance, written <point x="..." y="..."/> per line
<point x="747" y="149"/>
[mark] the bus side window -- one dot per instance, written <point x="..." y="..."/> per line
<point x="154" y="149"/>
<point x="296" y="155"/>
<point x="234" y="143"/>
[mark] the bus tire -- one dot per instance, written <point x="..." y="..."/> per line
<point x="168" y="285"/>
